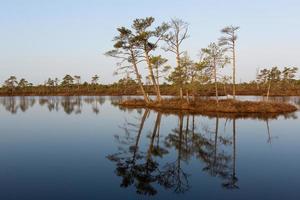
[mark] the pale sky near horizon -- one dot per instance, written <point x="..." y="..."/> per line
<point x="41" y="39"/>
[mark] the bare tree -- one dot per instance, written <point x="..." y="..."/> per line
<point x="225" y="80"/>
<point x="183" y="74"/>
<point x="229" y="41"/>
<point x="95" y="79"/>
<point x="178" y="33"/>
<point x="214" y="55"/>
<point x="77" y="80"/>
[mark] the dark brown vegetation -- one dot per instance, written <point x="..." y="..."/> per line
<point x="211" y="106"/>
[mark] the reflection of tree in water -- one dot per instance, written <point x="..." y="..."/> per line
<point x="148" y="171"/>
<point x="157" y="150"/>
<point x="71" y="104"/>
<point x="116" y="100"/>
<point x="142" y="170"/>
<point x="188" y="143"/>
<point x="52" y="103"/>
<point x="25" y="103"/>
<point x="12" y="104"/>
<point x="216" y="160"/>
<point x="96" y="102"/>
<point x="130" y="161"/>
<point x="173" y="174"/>
<point x="297" y="101"/>
<point x="231" y="180"/>
<point x="270" y="137"/>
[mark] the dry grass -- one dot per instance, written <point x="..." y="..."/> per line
<point x="211" y="106"/>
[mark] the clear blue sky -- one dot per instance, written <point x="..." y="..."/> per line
<point x="41" y="39"/>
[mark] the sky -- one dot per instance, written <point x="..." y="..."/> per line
<point x="41" y="39"/>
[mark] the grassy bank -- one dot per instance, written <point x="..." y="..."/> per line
<point x="211" y="106"/>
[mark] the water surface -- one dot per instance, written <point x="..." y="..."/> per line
<point x="89" y="148"/>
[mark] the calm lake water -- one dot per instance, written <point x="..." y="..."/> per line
<point x="89" y="148"/>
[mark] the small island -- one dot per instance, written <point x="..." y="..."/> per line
<point x="201" y="106"/>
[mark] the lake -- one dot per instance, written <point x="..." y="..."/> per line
<point x="89" y="148"/>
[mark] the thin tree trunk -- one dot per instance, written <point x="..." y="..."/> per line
<point x="187" y="130"/>
<point x="268" y="93"/>
<point x="216" y="83"/>
<point x="216" y="140"/>
<point x="269" y="134"/>
<point x="157" y="122"/>
<point x="234" y="149"/>
<point x="193" y="127"/>
<point x="187" y="96"/>
<point x="180" y="139"/>
<point x="233" y="70"/>
<point x="146" y="112"/>
<point x="225" y="91"/>
<point x="193" y="87"/>
<point x="178" y="64"/>
<point x="138" y="77"/>
<point x="157" y="76"/>
<point x="140" y="132"/>
<point x="157" y="89"/>
<point x="158" y="134"/>
<point x="181" y="93"/>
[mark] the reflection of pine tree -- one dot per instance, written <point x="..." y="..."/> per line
<point x="216" y="162"/>
<point x="24" y="103"/>
<point x="98" y="101"/>
<point x="95" y="102"/>
<point x="231" y="180"/>
<point x="148" y="171"/>
<point x="135" y="167"/>
<point x="71" y="104"/>
<point x="10" y="104"/>
<point x="126" y="159"/>
<point x="78" y="103"/>
<point x="141" y="169"/>
<point x="173" y="175"/>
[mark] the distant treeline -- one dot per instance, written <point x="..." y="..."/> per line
<point x="71" y="85"/>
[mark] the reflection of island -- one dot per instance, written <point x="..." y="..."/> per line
<point x="69" y="104"/>
<point x="146" y="169"/>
